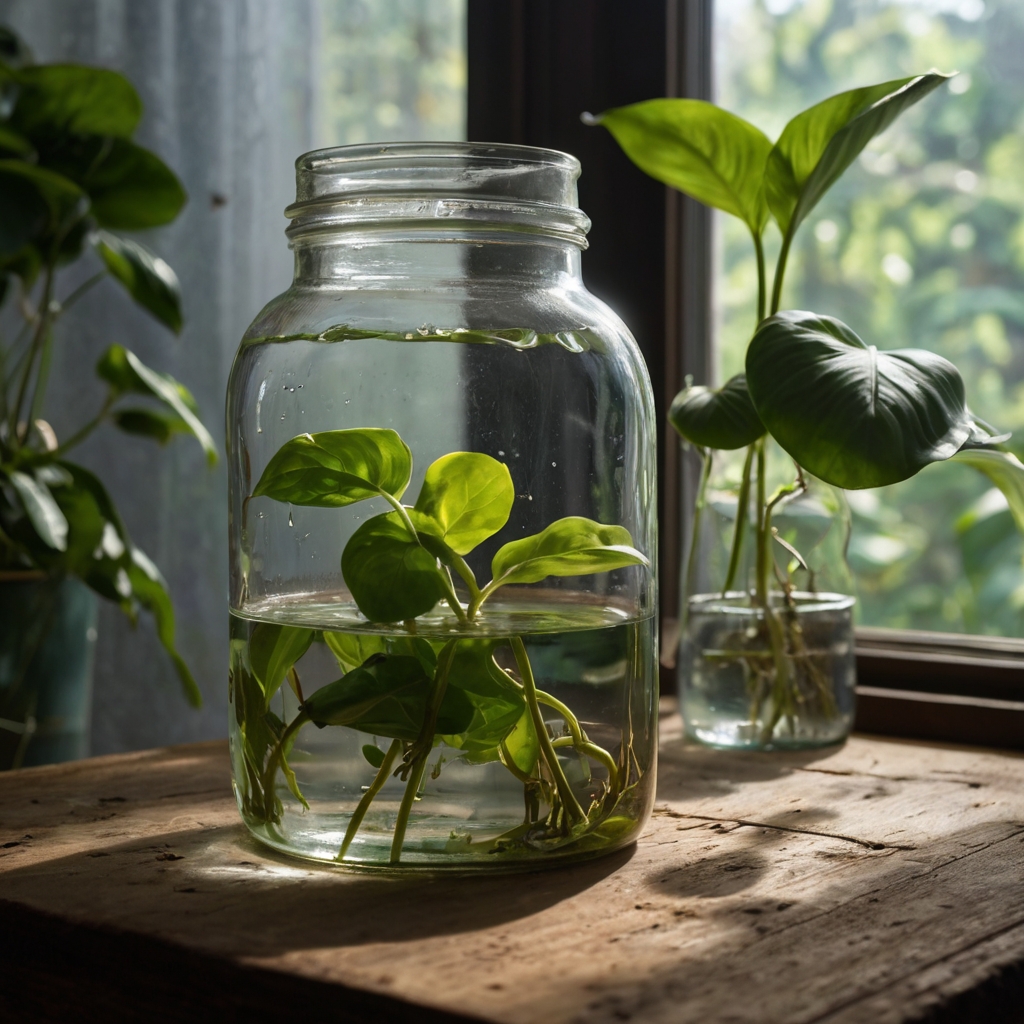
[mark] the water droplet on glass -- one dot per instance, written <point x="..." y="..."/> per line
<point x="529" y="497"/>
<point x="348" y="400"/>
<point x="501" y="453"/>
<point x="282" y="416"/>
<point x="290" y="522"/>
<point x="554" y="463"/>
<point x="261" y="515"/>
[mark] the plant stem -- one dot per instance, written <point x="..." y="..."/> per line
<point x="742" y="510"/>
<point x="85" y="431"/>
<point x="275" y="760"/>
<point x="368" y="797"/>
<point x="761" y="566"/>
<point x="37" y="339"/>
<point x="597" y="753"/>
<point x="82" y="289"/>
<point x="761" y="287"/>
<point x="780" y="271"/>
<point x="698" y="511"/>
<point x="460" y="565"/>
<point x="570" y="719"/>
<point x="411" y="787"/>
<point x="550" y="757"/>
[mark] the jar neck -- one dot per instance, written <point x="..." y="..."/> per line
<point x="390" y="264"/>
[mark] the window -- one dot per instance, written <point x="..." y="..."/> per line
<point x="921" y="244"/>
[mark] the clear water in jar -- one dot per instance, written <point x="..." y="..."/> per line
<point x="595" y="660"/>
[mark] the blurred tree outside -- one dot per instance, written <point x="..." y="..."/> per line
<point x="921" y="243"/>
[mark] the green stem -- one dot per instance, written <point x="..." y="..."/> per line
<point x="411" y="788"/>
<point x="37" y="339"/>
<point x="761" y="570"/>
<point x="780" y="271"/>
<point x="597" y="753"/>
<point x="460" y="565"/>
<point x="698" y="511"/>
<point x="761" y="286"/>
<point x="82" y="289"/>
<point x="85" y="431"/>
<point x="368" y="797"/>
<point x="570" y="719"/>
<point x="742" y="511"/>
<point x="568" y="798"/>
<point x="509" y="762"/>
<point x="275" y="761"/>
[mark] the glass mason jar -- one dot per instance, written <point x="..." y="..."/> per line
<point x="771" y="666"/>
<point x="442" y="495"/>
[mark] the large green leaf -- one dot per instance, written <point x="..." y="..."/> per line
<point x="1005" y="471"/>
<point x="273" y="650"/>
<point x="43" y="512"/>
<point x="722" y="418"/>
<point x="71" y="98"/>
<point x="337" y="467"/>
<point x="354" y="649"/>
<point x="818" y="145"/>
<point x="33" y="201"/>
<point x="132" y="189"/>
<point x="161" y="426"/>
<point x="391" y="576"/>
<point x="468" y="496"/>
<point x="148" y="279"/>
<point x="573" y="546"/>
<point x="387" y="697"/>
<point x="698" y="148"/>
<point x="125" y="372"/>
<point x="850" y="414"/>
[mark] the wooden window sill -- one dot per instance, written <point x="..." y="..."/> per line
<point x="879" y="882"/>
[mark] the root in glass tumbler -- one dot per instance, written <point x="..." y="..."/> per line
<point x="442" y="525"/>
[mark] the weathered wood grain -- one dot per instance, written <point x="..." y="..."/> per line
<point x="879" y="882"/>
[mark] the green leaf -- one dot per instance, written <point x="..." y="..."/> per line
<point x="387" y="697"/>
<point x="724" y="418"/>
<point x="150" y="589"/>
<point x="160" y="426"/>
<point x="13" y="142"/>
<point x="1005" y="471"/>
<point x="698" y="148"/>
<point x="573" y="546"/>
<point x="374" y="755"/>
<point x="71" y="98"/>
<point x="125" y="372"/>
<point x="43" y="512"/>
<point x="353" y="649"/>
<point x="33" y="201"/>
<point x="337" y="468"/>
<point x="273" y="649"/>
<point x="148" y="279"/>
<point x="818" y="145"/>
<point x="14" y="51"/>
<point x="850" y="414"/>
<point x="468" y="496"/>
<point x="391" y="576"/>
<point x="523" y="744"/>
<point x="132" y="189"/>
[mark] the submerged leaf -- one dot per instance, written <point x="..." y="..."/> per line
<point x="723" y="418"/>
<point x="273" y="650"/>
<point x="850" y="414"/>
<point x="573" y="546"/>
<point x="337" y="467"/>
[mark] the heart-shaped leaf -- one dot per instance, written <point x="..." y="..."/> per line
<point x="391" y="576"/>
<point x="573" y="546"/>
<point x="724" y="418"/>
<point x="132" y="188"/>
<point x="125" y="372"/>
<point x="33" y="200"/>
<point x="148" y="279"/>
<point x="468" y="496"/>
<point x="387" y="698"/>
<point x="337" y="467"/>
<point x="817" y="146"/>
<point x="850" y="414"/>
<point x="57" y="99"/>
<point x="698" y="148"/>
<point x="273" y="649"/>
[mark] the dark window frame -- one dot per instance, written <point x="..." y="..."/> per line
<point x="533" y="66"/>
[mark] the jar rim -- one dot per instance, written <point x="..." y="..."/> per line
<point x="441" y="190"/>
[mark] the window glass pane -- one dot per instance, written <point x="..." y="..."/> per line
<point x="921" y="244"/>
<point x="393" y="70"/>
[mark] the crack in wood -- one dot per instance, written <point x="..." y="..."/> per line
<point x="868" y="844"/>
<point x="851" y="773"/>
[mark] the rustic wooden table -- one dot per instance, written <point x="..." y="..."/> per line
<point x="879" y="882"/>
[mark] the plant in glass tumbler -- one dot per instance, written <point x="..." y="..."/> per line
<point x="421" y="692"/>
<point x="766" y="658"/>
<point x="69" y="173"/>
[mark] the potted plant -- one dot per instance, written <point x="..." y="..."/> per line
<point x="70" y="174"/>
<point x="766" y="657"/>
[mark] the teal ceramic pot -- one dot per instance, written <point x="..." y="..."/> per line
<point x="47" y="644"/>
